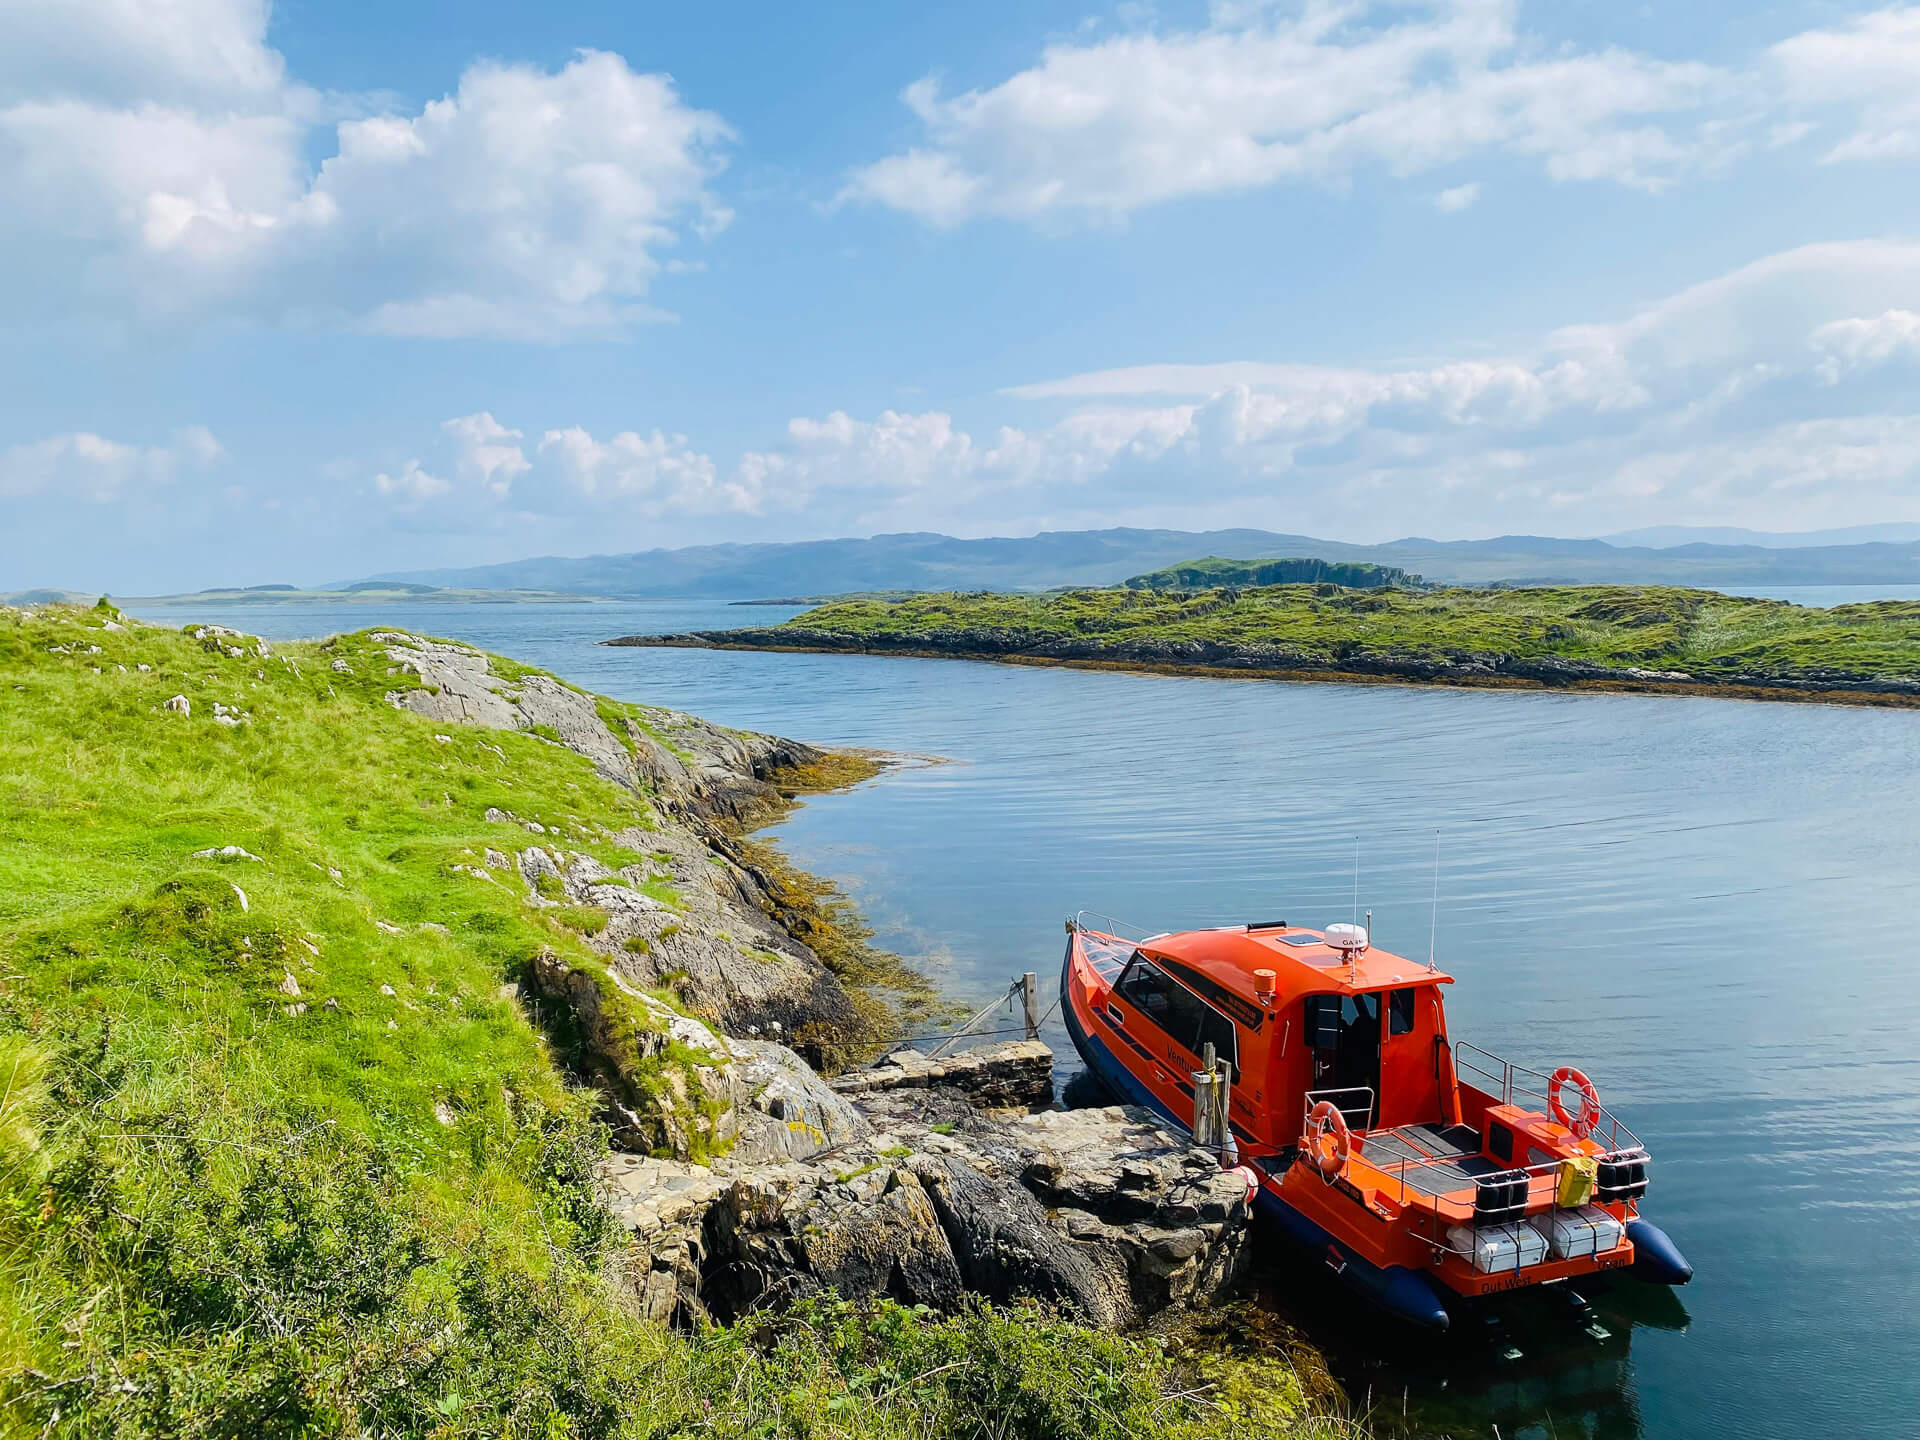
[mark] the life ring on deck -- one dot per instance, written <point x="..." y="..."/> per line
<point x="1325" y="1143"/>
<point x="1580" y="1124"/>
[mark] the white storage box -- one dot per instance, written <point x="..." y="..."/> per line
<point x="1499" y="1249"/>
<point x="1572" y="1234"/>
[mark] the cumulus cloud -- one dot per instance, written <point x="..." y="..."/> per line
<point x="1744" y="397"/>
<point x="567" y="473"/>
<point x="1867" y="70"/>
<point x="85" y="466"/>
<point x="157" y="154"/>
<point x="488" y="454"/>
<point x="653" y="474"/>
<point x="1751" y="397"/>
<point x="1102" y="128"/>
<point x="412" y="487"/>
<point x="1854" y="344"/>
<point x="1326" y="90"/>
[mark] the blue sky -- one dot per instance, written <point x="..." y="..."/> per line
<point x="304" y="293"/>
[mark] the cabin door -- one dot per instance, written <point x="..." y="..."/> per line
<point x="1346" y="1053"/>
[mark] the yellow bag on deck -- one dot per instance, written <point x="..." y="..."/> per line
<point x="1577" y="1174"/>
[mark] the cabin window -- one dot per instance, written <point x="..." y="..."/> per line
<point x="1400" y="1012"/>
<point x="1188" y="1020"/>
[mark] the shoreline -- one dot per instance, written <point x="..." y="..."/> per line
<point x="1859" y="695"/>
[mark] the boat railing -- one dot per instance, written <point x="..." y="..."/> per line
<point x="1357" y="1111"/>
<point x="1516" y="1083"/>
<point x="1108" y="925"/>
<point x="1542" y="1181"/>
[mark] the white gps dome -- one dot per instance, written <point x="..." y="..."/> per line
<point x="1347" y="939"/>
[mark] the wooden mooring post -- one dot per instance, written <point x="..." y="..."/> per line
<point x="1212" y="1101"/>
<point x="1030" y="1001"/>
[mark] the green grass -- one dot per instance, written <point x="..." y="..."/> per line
<point x="366" y="1209"/>
<point x="1700" y="631"/>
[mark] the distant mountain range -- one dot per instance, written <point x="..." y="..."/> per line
<point x="1660" y="537"/>
<point x="1108" y="557"/>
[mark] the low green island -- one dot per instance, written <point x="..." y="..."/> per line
<point x="1594" y="637"/>
<point x="309" y="1033"/>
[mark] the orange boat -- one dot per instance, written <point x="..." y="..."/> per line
<point x="1427" y="1174"/>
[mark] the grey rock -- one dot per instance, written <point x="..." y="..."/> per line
<point x="1007" y="1247"/>
<point x="1101" y="1211"/>
<point x="227" y="853"/>
<point x="755" y="1098"/>
<point x="1015" y="1073"/>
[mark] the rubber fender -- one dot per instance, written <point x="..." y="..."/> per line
<point x="1411" y="1296"/>
<point x="1655" y="1257"/>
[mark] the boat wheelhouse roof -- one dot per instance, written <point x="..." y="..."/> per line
<point x="1301" y="960"/>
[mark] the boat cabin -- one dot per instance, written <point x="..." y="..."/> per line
<point x="1291" y="1014"/>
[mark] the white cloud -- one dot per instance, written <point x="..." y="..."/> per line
<point x="413" y="486"/>
<point x="1868" y="70"/>
<point x="489" y="454"/>
<point x="156" y="154"/>
<point x="1745" y="399"/>
<point x="166" y="51"/>
<point x="568" y="473"/>
<point x="1457" y="198"/>
<point x="1848" y="345"/>
<point x="85" y="466"/>
<point x="1730" y="401"/>
<point x="652" y="474"/>
<point x="1105" y="127"/>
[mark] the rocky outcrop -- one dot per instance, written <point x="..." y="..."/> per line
<point x="1017" y="1073"/>
<point x="714" y="946"/>
<point x="718" y="944"/>
<point x="691" y="765"/>
<point x="1100" y="1211"/>
<point x="674" y="1087"/>
<point x="742" y="1178"/>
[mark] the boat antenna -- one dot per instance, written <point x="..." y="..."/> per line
<point x="1356" y="879"/>
<point x="1433" y="934"/>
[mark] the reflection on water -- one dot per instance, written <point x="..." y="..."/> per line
<point x="1565" y="1383"/>
<point x="1708" y="905"/>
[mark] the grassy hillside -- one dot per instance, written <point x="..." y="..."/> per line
<point x="1605" y="629"/>
<point x="279" y="1157"/>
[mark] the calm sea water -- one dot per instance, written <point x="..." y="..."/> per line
<point x="1708" y="905"/>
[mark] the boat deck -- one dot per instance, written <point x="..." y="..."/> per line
<point x="1429" y="1159"/>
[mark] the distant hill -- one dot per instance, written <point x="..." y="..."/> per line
<point x="1108" y="557"/>
<point x="1661" y="537"/>
<point x="1213" y="571"/>
<point x="46" y="597"/>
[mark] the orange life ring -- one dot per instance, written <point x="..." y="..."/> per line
<point x="1581" y="1124"/>
<point x="1324" y="1124"/>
